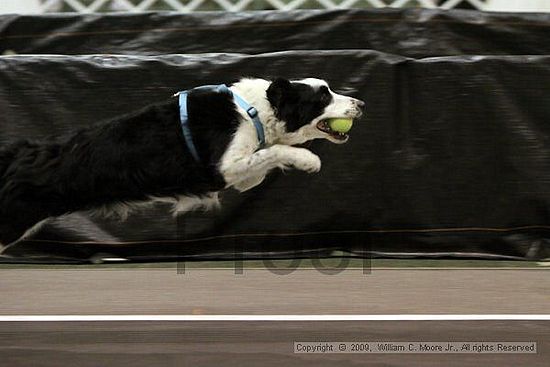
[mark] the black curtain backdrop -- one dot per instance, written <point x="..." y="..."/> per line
<point x="452" y="158"/>
<point x="409" y="32"/>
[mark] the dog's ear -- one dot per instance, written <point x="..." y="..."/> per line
<point x="278" y="90"/>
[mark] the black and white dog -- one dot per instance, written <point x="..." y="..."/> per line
<point x="142" y="158"/>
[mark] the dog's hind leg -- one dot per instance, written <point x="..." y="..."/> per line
<point x="34" y="229"/>
<point x="182" y="203"/>
<point x="28" y="233"/>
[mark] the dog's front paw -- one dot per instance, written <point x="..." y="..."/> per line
<point x="306" y="161"/>
<point x="248" y="183"/>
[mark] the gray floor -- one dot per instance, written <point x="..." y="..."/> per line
<point x="255" y="343"/>
<point x="259" y="291"/>
<point x="84" y="291"/>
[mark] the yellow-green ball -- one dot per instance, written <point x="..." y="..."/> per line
<point x="340" y="125"/>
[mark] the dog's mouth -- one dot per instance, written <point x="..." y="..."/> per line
<point x="323" y="125"/>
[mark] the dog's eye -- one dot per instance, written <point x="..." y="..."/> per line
<point x="325" y="94"/>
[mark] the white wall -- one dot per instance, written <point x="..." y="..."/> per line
<point x="19" y="6"/>
<point x="518" y="5"/>
<point x="33" y="6"/>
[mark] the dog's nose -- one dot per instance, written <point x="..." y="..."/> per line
<point x="359" y="107"/>
<point x="359" y="103"/>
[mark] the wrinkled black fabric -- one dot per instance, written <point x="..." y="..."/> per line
<point x="408" y="32"/>
<point x="452" y="158"/>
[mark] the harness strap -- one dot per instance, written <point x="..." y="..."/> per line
<point x="184" y="121"/>
<point x="253" y="114"/>
<point x="222" y="88"/>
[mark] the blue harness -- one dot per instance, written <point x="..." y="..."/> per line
<point x="222" y="88"/>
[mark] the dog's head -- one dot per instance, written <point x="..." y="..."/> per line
<point x="306" y="105"/>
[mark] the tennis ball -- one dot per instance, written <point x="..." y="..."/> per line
<point x="340" y="125"/>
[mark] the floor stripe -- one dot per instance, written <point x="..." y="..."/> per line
<point x="62" y="318"/>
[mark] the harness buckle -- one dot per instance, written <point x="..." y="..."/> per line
<point x="252" y="112"/>
<point x="222" y="88"/>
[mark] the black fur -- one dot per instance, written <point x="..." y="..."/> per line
<point x="125" y="159"/>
